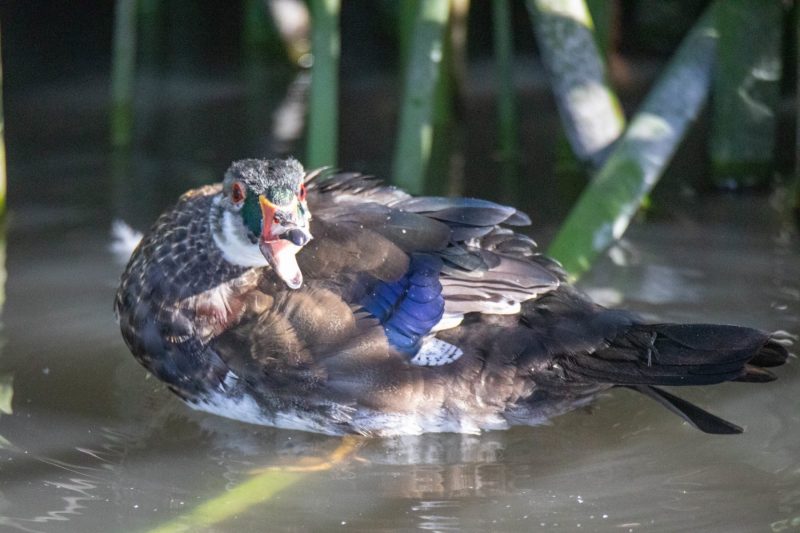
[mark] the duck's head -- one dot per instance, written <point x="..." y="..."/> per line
<point x="263" y="216"/>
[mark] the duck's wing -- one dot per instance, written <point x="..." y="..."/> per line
<point x="482" y="264"/>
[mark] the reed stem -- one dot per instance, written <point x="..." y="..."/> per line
<point x="415" y="133"/>
<point x="507" y="126"/>
<point x="606" y="206"/>
<point x="323" y="118"/>
<point x="746" y="90"/>
<point x="123" y="71"/>
<point x="590" y="111"/>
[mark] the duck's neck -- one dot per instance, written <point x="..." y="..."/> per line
<point x="231" y="238"/>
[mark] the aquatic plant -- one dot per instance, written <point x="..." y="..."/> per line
<point x="415" y="133"/>
<point x="323" y="120"/>
<point x="507" y="127"/>
<point x="745" y="92"/>
<point x="608" y="203"/>
<point x="123" y="72"/>
<point x="2" y="147"/>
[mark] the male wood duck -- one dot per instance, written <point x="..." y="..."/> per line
<point x="389" y="314"/>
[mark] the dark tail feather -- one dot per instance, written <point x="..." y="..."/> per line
<point x="771" y="354"/>
<point x="673" y="354"/>
<point x="702" y="420"/>
<point x="680" y="354"/>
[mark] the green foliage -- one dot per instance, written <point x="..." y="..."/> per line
<point x="415" y="133"/>
<point x="605" y="208"/>
<point x="323" y="123"/>
<point x="508" y="129"/>
<point x="123" y="72"/>
<point x="746" y="87"/>
<point x="590" y="110"/>
<point x="2" y="146"/>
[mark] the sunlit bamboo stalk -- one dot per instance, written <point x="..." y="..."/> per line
<point x="323" y="124"/>
<point x="746" y="85"/>
<point x="507" y="126"/>
<point x="123" y="70"/>
<point x="415" y="133"/>
<point x="605" y="208"/>
<point x="291" y="19"/>
<point x="590" y="111"/>
<point x="444" y="173"/>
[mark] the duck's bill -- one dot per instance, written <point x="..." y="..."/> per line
<point x="281" y="256"/>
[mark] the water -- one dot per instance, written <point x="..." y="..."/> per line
<point x="94" y="445"/>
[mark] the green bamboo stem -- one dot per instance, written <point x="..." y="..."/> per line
<point x="2" y="145"/>
<point x="796" y="21"/>
<point x="605" y="208"/>
<point x="746" y="90"/>
<point x="289" y="28"/>
<point x="406" y="18"/>
<point x="324" y="98"/>
<point x="590" y="111"/>
<point x="507" y="126"/>
<point x="415" y="133"/>
<point x="122" y="73"/>
<point x="602" y="13"/>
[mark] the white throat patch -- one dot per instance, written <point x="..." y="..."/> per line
<point x="235" y="247"/>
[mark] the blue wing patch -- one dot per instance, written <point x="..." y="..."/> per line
<point x="411" y="306"/>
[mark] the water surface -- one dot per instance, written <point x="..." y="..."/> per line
<point x="94" y="445"/>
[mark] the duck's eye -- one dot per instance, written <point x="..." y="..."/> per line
<point x="276" y="220"/>
<point x="237" y="193"/>
<point x="302" y="195"/>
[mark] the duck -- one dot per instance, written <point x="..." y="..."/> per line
<point x="331" y="302"/>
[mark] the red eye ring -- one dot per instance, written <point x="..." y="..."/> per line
<point x="276" y="220"/>
<point x="302" y="195"/>
<point x="237" y="193"/>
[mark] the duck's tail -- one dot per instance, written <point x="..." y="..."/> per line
<point x="648" y="355"/>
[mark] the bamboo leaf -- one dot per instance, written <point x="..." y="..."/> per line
<point x="605" y="208"/>
<point x="589" y="109"/>
<point x="415" y="133"/>
<point x="323" y="121"/>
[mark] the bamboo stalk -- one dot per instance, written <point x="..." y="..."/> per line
<point x="2" y="146"/>
<point x="406" y="18"/>
<point x="590" y="111"/>
<point x="324" y="98"/>
<point x="796" y="22"/>
<point x="605" y="208"/>
<point x="290" y="19"/>
<point x="746" y="87"/>
<point x="123" y="70"/>
<point x="507" y="126"/>
<point x="603" y="13"/>
<point x="415" y="132"/>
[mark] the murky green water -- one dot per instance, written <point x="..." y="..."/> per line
<point x="94" y="445"/>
